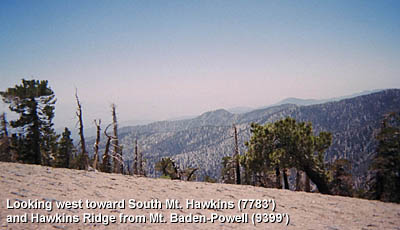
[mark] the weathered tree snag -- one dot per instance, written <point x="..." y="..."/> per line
<point x="117" y="154"/>
<point x="84" y="157"/>
<point x="106" y="164"/>
<point x="114" y="156"/>
<point x="236" y="157"/>
<point x="135" y="160"/>
<point x="96" y="144"/>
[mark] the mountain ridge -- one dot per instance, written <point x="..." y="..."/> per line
<point x="203" y="141"/>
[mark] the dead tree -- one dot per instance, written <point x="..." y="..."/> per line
<point x="96" y="144"/>
<point x="117" y="154"/>
<point x="106" y="164"/>
<point x="114" y="156"/>
<point x="236" y="157"/>
<point x="135" y="160"/>
<point x="83" y="159"/>
<point x="140" y="163"/>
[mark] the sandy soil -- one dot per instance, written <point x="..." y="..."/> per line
<point x="20" y="184"/>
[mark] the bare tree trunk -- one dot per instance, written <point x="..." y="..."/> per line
<point x="96" y="144"/>
<point x="128" y="168"/>
<point x="118" y="166"/>
<point x="84" y="157"/>
<point x="236" y="157"/>
<point x="285" y="179"/>
<point x="278" y="178"/>
<point x="144" y="168"/>
<point x="177" y="171"/>
<point x="319" y="179"/>
<point x="307" y="187"/>
<point x="191" y="173"/>
<point x="106" y="164"/>
<point x="298" y="177"/>
<point x="140" y="161"/>
<point x="135" y="159"/>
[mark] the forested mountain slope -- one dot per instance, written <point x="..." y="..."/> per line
<point x="203" y="141"/>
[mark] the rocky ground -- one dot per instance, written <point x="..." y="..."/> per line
<point x="40" y="189"/>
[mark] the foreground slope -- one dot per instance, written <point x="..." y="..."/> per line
<point x="20" y="183"/>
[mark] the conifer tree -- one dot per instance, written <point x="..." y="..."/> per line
<point x="228" y="170"/>
<point x="385" y="167"/>
<point x="5" y="150"/>
<point x="289" y="144"/>
<point x="341" y="181"/>
<point x="34" y="101"/>
<point x="168" y="168"/>
<point x="65" y="150"/>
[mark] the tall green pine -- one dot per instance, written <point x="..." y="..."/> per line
<point x="65" y="150"/>
<point x="385" y="168"/>
<point x="34" y="101"/>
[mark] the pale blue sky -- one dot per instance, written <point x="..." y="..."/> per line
<point x="162" y="59"/>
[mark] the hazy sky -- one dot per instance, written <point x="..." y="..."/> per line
<point x="162" y="59"/>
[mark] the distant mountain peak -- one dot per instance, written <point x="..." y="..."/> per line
<point x="303" y="102"/>
<point x="216" y="113"/>
<point x="240" y="110"/>
<point x="297" y="101"/>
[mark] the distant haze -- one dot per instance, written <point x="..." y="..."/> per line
<point x="159" y="60"/>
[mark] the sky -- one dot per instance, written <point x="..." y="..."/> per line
<point x="158" y="60"/>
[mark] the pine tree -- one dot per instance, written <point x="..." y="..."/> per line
<point x="34" y="101"/>
<point x="385" y="167"/>
<point x="65" y="150"/>
<point x="288" y="144"/>
<point x="168" y="168"/>
<point x="342" y="181"/>
<point x="5" y="149"/>
<point x="228" y="170"/>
